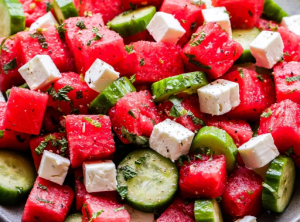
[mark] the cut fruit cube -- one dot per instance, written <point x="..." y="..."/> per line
<point x="219" y="97"/>
<point x="40" y="72"/>
<point x="267" y="49"/>
<point x="45" y="21"/>
<point x="258" y="151"/>
<point x="99" y="176"/>
<point x="170" y="139"/>
<point x="165" y="28"/>
<point x="292" y="23"/>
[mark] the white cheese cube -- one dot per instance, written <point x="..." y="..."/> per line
<point x="247" y="219"/>
<point x="54" y="167"/>
<point x="267" y="48"/>
<point x="258" y="151"/>
<point x="100" y="75"/>
<point x="2" y="99"/>
<point x="219" y="15"/>
<point x="99" y="176"/>
<point x="219" y="97"/>
<point x="45" y="21"/>
<point x="292" y="23"/>
<point x="165" y="28"/>
<point x="39" y="72"/>
<point x="170" y="139"/>
<point x="138" y="216"/>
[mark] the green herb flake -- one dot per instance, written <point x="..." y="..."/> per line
<point x="183" y="158"/>
<point x="250" y="13"/>
<point x="95" y="215"/>
<point x="267" y="114"/>
<point x="40" y="37"/>
<point x="195" y="62"/>
<point x="128" y="172"/>
<point x="61" y="30"/>
<point x="93" y="122"/>
<point x="86" y="210"/>
<point x="133" y="138"/>
<point x="129" y="49"/>
<point x="219" y="199"/>
<point x="63" y="144"/>
<point x="1" y="134"/>
<point x="199" y="156"/>
<point x="10" y="65"/>
<point x="241" y="72"/>
<point x="131" y="114"/>
<point x="61" y="95"/>
<point x="227" y="12"/>
<point x="294" y="90"/>
<point x="270" y="189"/>
<point x="41" y="186"/>
<point x="118" y="209"/>
<point x="292" y="79"/>
<point x="177" y="110"/>
<point x="140" y="160"/>
<point x="260" y="78"/>
<point x="123" y="191"/>
<point x="250" y="192"/>
<point x="196" y="120"/>
<point x="48" y="6"/>
<point x="290" y="151"/>
<point x="80" y="24"/>
<point x="43" y="200"/>
<point x="199" y="41"/>
<point x="142" y="62"/>
<point x="79" y="94"/>
<point x="197" y="2"/>
<point x="97" y="37"/>
<point x="183" y="21"/>
<point x="132" y="78"/>
<point x="42" y="146"/>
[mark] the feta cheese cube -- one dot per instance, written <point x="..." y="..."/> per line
<point x="100" y="75"/>
<point x="99" y="176"/>
<point x="54" y="167"/>
<point x="247" y="219"/>
<point x="165" y="28"/>
<point x="219" y="97"/>
<point x="219" y="15"/>
<point x="267" y="48"/>
<point x="39" y="72"/>
<point x="292" y="23"/>
<point x="45" y="21"/>
<point x="170" y="139"/>
<point x="258" y="151"/>
<point x="2" y="99"/>
<point x="139" y="216"/>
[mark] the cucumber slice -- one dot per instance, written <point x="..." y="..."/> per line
<point x="16" y="178"/>
<point x="156" y="181"/>
<point x="64" y="9"/>
<point x="133" y="21"/>
<point x="273" y="11"/>
<point x="245" y="37"/>
<point x="188" y="83"/>
<point x="218" y="141"/>
<point x="12" y="17"/>
<point x="24" y="86"/>
<point x="110" y="95"/>
<point x="207" y="211"/>
<point x="76" y="217"/>
<point x="279" y="184"/>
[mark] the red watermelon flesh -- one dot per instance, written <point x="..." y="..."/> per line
<point x="34" y="9"/>
<point x="243" y="193"/>
<point x="291" y="43"/>
<point x="189" y="15"/>
<point x="25" y="111"/>
<point x="142" y="36"/>
<point x="215" y="54"/>
<point x="156" y="61"/>
<point x="283" y="124"/>
<point x="94" y="204"/>
<point x="244" y="14"/>
<point x="128" y="66"/>
<point x="266" y="25"/>
<point x="144" y="112"/>
<point x="12" y="77"/>
<point x="72" y="30"/>
<point x="80" y="97"/>
<point x="70" y="61"/>
<point x="88" y="142"/>
<point x="110" y="48"/>
<point x="12" y="139"/>
<point x="51" y="122"/>
<point x="256" y="93"/>
<point x="29" y="47"/>
<point x="129" y="4"/>
<point x="189" y="103"/>
<point x="203" y="178"/>
<point x="239" y="130"/>
<point x="284" y="89"/>
<point x="59" y="199"/>
<point x="35" y="142"/>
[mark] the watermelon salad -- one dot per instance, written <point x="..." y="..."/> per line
<point x="142" y="111"/>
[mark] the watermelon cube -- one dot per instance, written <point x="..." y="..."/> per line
<point x="239" y="130"/>
<point x="79" y="98"/>
<point x="10" y="139"/>
<point x="156" y="61"/>
<point x="286" y="87"/>
<point x="188" y="14"/>
<point x="291" y="43"/>
<point x="70" y="61"/>
<point x="211" y="50"/>
<point x="282" y="121"/>
<point x="57" y="149"/>
<point x="87" y="48"/>
<point x="135" y="113"/>
<point x="243" y="193"/>
<point x="128" y="66"/>
<point x="51" y="122"/>
<point x="28" y="47"/>
<point x="256" y="93"/>
<point x="9" y="75"/>
<point x="179" y="210"/>
<point x="131" y="4"/>
<point x="105" y="205"/>
<point x="192" y="120"/>
<point x="48" y="202"/>
<point x="203" y="177"/>
<point x="244" y="14"/>
<point x="89" y="137"/>
<point x="25" y="111"/>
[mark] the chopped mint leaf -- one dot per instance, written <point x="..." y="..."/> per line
<point x="267" y="114"/>
<point x="199" y="41"/>
<point x="39" y="150"/>
<point x="177" y="110"/>
<point x="41" y="38"/>
<point x="123" y="191"/>
<point x="183" y="158"/>
<point x="131" y="114"/>
<point x="1" y="134"/>
<point x="199" y="156"/>
<point x="250" y="192"/>
<point x="86" y="210"/>
<point x="63" y="144"/>
<point x="250" y="13"/>
<point x="61" y="30"/>
<point x="260" y="78"/>
<point x="41" y="186"/>
<point x="95" y="215"/>
<point x="48" y="6"/>
<point x="118" y="209"/>
<point x="129" y="49"/>
<point x="80" y="24"/>
<point x="132" y="78"/>
<point x="195" y="62"/>
<point x="93" y="122"/>
<point x="128" y="172"/>
<point x="292" y="79"/>
<point x="240" y="70"/>
<point x="140" y="160"/>
<point x="290" y="151"/>
<point x="142" y="62"/>
<point x="10" y="65"/>
<point x="133" y="138"/>
<point x="97" y="37"/>
<point x="44" y="201"/>
<point x="196" y="120"/>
